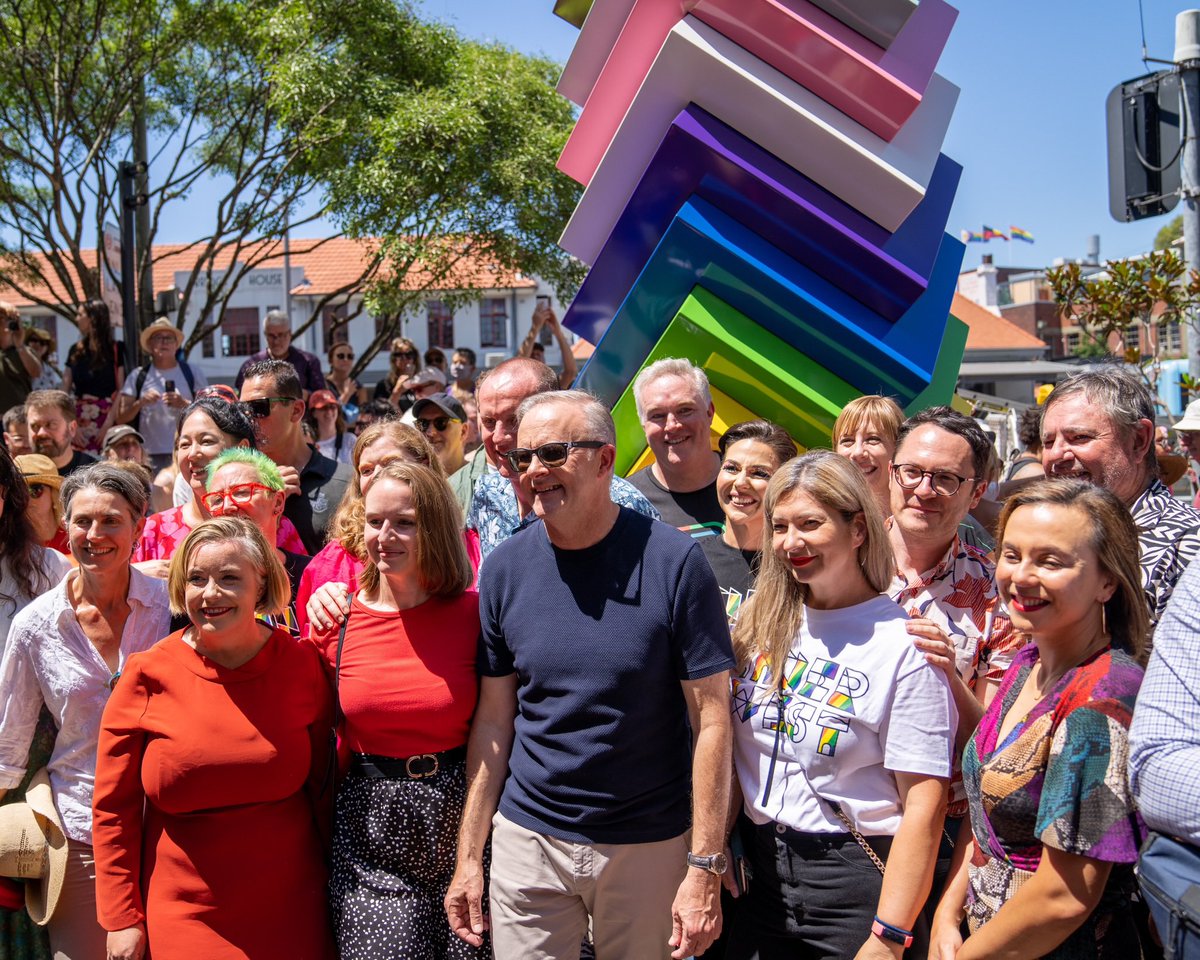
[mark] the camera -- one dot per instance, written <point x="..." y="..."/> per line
<point x="14" y="325"/>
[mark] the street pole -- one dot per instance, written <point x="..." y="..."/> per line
<point x="128" y="174"/>
<point x="141" y="159"/>
<point x="1187" y="62"/>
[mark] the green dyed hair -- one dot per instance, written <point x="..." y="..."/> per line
<point x="268" y="473"/>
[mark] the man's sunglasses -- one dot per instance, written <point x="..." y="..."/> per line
<point x="438" y="423"/>
<point x="552" y="454"/>
<point x="261" y="408"/>
<point x="239" y="493"/>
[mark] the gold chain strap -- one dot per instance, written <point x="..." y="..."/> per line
<point x="862" y="841"/>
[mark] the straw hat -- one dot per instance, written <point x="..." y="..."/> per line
<point x="161" y="325"/>
<point x="33" y="847"/>
<point x="38" y="468"/>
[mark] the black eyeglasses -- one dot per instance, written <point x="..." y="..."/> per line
<point x="261" y="408"/>
<point x="551" y="454"/>
<point x="944" y="483"/>
<point x="438" y="423"/>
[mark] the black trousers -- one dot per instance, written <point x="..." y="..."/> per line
<point x="812" y="896"/>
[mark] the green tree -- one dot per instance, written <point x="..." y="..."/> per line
<point x="1169" y="234"/>
<point x="439" y="149"/>
<point x="425" y="146"/>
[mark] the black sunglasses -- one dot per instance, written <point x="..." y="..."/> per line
<point x="36" y="490"/>
<point x="438" y="423"/>
<point x="405" y="354"/>
<point x="343" y="356"/>
<point x="261" y="408"/>
<point x="552" y="454"/>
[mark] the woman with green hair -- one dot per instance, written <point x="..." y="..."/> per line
<point x="247" y="483"/>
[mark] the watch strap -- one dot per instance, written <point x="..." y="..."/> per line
<point x="885" y="931"/>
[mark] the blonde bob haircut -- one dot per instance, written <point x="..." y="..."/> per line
<point x="347" y="524"/>
<point x="1111" y="533"/>
<point x="277" y="589"/>
<point x="771" y="619"/>
<point x="443" y="568"/>
<point x="867" y="412"/>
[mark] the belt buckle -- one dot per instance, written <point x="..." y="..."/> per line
<point x="421" y="774"/>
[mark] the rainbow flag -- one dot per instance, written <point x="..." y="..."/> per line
<point x="990" y="234"/>
<point x="970" y="236"/>
<point x="1019" y="234"/>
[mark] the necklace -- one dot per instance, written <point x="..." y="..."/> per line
<point x="1046" y="684"/>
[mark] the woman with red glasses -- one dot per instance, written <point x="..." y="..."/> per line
<point x="246" y="483"/>
<point x="207" y="427"/>
<point x="338" y="379"/>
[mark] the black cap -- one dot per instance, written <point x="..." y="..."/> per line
<point x="443" y="401"/>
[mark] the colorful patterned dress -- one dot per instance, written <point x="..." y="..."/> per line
<point x="1058" y="780"/>
<point x="165" y="531"/>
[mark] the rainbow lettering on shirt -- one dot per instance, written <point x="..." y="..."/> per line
<point x="822" y="670"/>
<point x="839" y="701"/>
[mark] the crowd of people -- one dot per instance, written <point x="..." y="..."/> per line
<point x="298" y="669"/>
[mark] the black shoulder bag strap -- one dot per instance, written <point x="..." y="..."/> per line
<point x="338" y="716"/>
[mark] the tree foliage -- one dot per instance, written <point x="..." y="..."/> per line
<point x="1169" y="234"/>
<point x="441" y="149"/>
<point x="1156" y="289"/>
<point x="424" y="145"/>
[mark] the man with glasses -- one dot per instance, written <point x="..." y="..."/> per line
<point x="1098" y="426"/>
<point x="602" y="732"/>
<point x="498" y="507"/>
<point x="271" y="397"/>
<point x="443" y="421"/>
<point x="277" y="331"/>
<point x="152" y="397"/>
<point x="50" y="415"/>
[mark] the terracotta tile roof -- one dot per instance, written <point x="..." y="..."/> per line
<point x="989" y="331"/>
<point x="328" y="265"/>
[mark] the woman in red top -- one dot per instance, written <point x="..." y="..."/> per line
<point x="206" y="832"/>
<point x="407" y="687"/>
<point x="332" y="573"/>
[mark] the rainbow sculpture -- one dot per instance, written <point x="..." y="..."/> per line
<point x="765" y="194"/>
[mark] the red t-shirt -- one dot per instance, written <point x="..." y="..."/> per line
<point x="408" y="683"/>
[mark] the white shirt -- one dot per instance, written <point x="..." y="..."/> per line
<point x="52" y="565"/>
<point x="329" y="447"/>
<point x="49" y="659"/>
<point x="860" y="704"/>
<point x="156" y="421"/>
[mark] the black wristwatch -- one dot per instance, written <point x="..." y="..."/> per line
<point x="715" y="864"/>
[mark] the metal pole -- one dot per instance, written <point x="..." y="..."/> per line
<point x="142" y="162"/>
<point x="1187" y="60"/>
<point x="128" y="281"/>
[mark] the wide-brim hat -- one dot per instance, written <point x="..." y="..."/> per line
<point x="33" y="847"/>
<point x="38" y="468"/>
<point x="1191" y="417"/>
<point x="161" y="325"/>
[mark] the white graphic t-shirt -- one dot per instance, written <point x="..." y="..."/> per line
<point x="859" y="703"/>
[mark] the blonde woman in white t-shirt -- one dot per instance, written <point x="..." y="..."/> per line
<point x="843" y="734"/>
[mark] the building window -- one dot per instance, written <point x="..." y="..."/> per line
<point x="334" y="328"/>
<point x="440" y="323"/>
<point x="1170" y="338"/>
<point x="240" y="334"/>
<point x="1073" y="340"/>
<point x="493" y="322"/>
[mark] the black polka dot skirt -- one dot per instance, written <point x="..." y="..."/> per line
<point x="393" y="856"/>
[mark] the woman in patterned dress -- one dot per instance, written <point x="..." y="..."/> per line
<point x="1050" y="872"/>
<point x="94" y="373"/>
<point x="406" y="684"/>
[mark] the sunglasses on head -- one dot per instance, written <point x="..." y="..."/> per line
<point x="261" y="408"/>
<point x="552" y="454"/>
<point x="438" y="423"/>
<point x="238" y="493"/>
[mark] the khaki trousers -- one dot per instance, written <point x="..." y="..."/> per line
<point x="75" y="933"/>
<point x="544" y="890"/>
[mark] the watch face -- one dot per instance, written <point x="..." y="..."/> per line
<point x="719" y="863"/>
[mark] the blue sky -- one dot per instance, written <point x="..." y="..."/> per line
<point x="1029" y="129"/>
